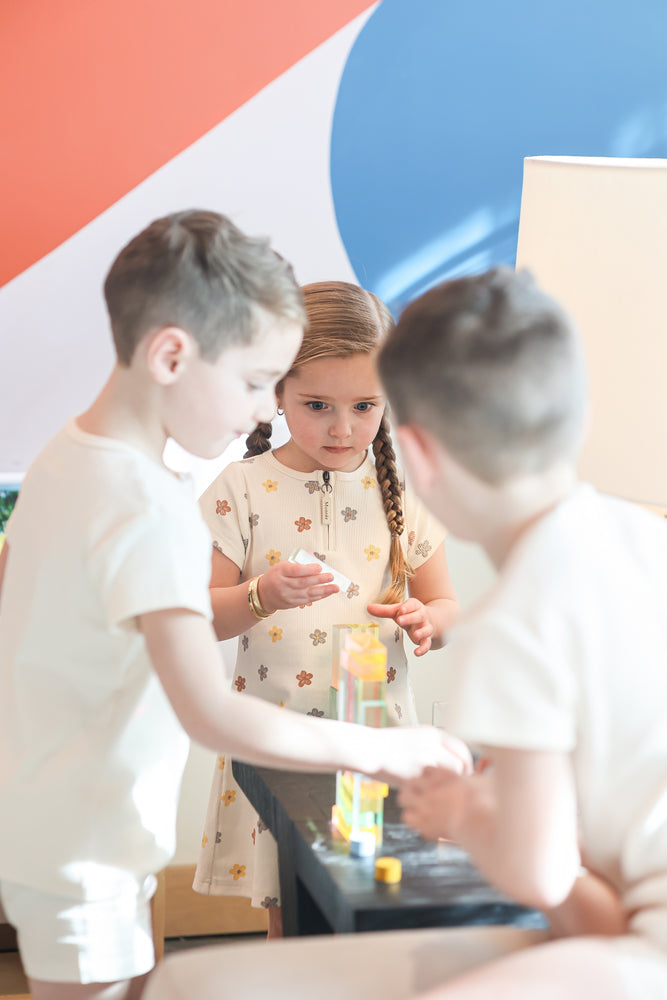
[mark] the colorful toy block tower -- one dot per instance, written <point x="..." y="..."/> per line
<point x="359" y="677"/>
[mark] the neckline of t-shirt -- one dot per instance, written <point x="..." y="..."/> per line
<point x="103" y="443"/>
<point x="305" y="477"/>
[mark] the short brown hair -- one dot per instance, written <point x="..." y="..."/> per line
<point x="196" y="270"/>
<point x="493" y="367"/>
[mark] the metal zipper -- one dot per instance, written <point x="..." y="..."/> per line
<point x="326" y="505"/>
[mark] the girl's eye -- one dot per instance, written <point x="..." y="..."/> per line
<point x="364" y="407"/>
<point x="316" y="404"/>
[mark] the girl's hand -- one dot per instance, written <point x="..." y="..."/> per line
<point x="289" y="585"/>
<point x="411" y="615"/>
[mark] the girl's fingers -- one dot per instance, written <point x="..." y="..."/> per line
<point x="382" y="610"/>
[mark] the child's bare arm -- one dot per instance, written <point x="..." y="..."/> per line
<point x="517" y="819"/>
<point x="431" y="607"/>
<point x="592" y="907"/>
<point x="183" y="652"/>
<point x="284" y="585"/>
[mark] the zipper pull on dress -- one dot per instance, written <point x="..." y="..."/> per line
<point x="326" y="499"/>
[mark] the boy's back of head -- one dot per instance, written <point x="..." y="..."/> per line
<point x="493" y="368"/>
<point x="197" y="271"/>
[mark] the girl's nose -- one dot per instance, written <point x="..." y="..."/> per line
<point x="340" y="427"/>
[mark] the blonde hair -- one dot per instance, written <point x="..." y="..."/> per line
<point x="344" y="320"/>
<point x="493" y="367"/>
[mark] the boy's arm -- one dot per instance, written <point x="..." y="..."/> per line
<point x="183" y="652"/>
<point x="517" y="818"/>
<point x="592" y="907"/>
<point x="431" y="608"/>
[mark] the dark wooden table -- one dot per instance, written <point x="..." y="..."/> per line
<point x="326" y="891"/>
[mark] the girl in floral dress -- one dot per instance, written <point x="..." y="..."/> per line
<point x="334" y="490"/>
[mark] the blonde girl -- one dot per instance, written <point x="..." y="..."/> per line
<point x="334" y="489"/>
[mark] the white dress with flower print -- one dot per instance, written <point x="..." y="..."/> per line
<point x="259" y="511"/>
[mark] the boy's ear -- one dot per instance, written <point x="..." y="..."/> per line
<point x="167" y="354"/>
<point x="419" y="450"/>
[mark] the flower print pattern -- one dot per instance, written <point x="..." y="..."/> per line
<point x="237" y="871"/>
<point x="372" y="552"/>
<point x="270" y="485"/>
<point x="276" y="633"/>
<point x="239" y="683"/>
<point x="303" y="606"/>
<point x="312" y="486"/>
<point x="391" y="675"/>
<point x="320" y="555"/>
<point x="253" y="834"/>
<point x="204" y="839"/>
<point x="245" y="642"/>
<point x="221" y="763"/>
<point x="269" y="902"/>
<point x="218" y="836"/>
<point x="398" y="710"/>
<point x="303" y="524"/>
<point x="228" y="798"/>
<point x="397" y="634"/>
<point x="304" y="678"/>
<point x="318" y="637"/>
<point x="253" y="520"/>
<point x="349" y="514"/>
<point x="273" y="556"/>
<point x="411" y="538"/>
<point x="317" y="713"/>
<point x="245" y="543"/>
<point x="261" y="826"/>
<point x="263" y="672"/>
<point x="352" y="591"/>
<point x="368" y="483"/>
<point x="222" y="507"/>
<point x="423" y="548"/>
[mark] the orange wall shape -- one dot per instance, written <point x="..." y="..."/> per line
<point x="97" y="94"/>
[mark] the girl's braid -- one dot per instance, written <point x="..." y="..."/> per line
<point x="257" y="442"/>
<point x="392" y="501"/>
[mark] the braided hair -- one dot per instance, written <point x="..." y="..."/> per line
<point x="344" y="320"/>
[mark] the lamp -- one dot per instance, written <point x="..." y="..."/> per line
<point x="593" y="231"/>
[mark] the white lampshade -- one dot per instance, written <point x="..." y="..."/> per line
<point x="593" y="231"/>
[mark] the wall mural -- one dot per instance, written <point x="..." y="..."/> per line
<point x="381" y="143"/>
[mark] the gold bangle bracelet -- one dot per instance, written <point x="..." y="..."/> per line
<point x="254" y="602"/>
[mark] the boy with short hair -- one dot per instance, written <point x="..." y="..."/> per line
<point x="558" y="674"/>
<point x="106" y="648"/>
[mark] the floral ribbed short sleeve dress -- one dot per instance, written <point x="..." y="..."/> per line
<point x="258" y="511"/>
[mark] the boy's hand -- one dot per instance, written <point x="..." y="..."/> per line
<point x="431" y="803"/>
<point x="290" y="585"/>
<point x="412" y="616"/>
<point x="406" y="752"/>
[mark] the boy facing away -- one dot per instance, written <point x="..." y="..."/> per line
<point x="107" y="654"/>
<point x="558" y="677"/>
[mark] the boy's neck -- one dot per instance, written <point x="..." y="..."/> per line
<point x="122" y="412"/>
<point x="518" y="505"/>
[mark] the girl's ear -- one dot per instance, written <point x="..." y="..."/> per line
<point x="167" y="354"/>
<point x="421" y="455"/>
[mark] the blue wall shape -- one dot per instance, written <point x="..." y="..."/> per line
<point x="439" y="103"/>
